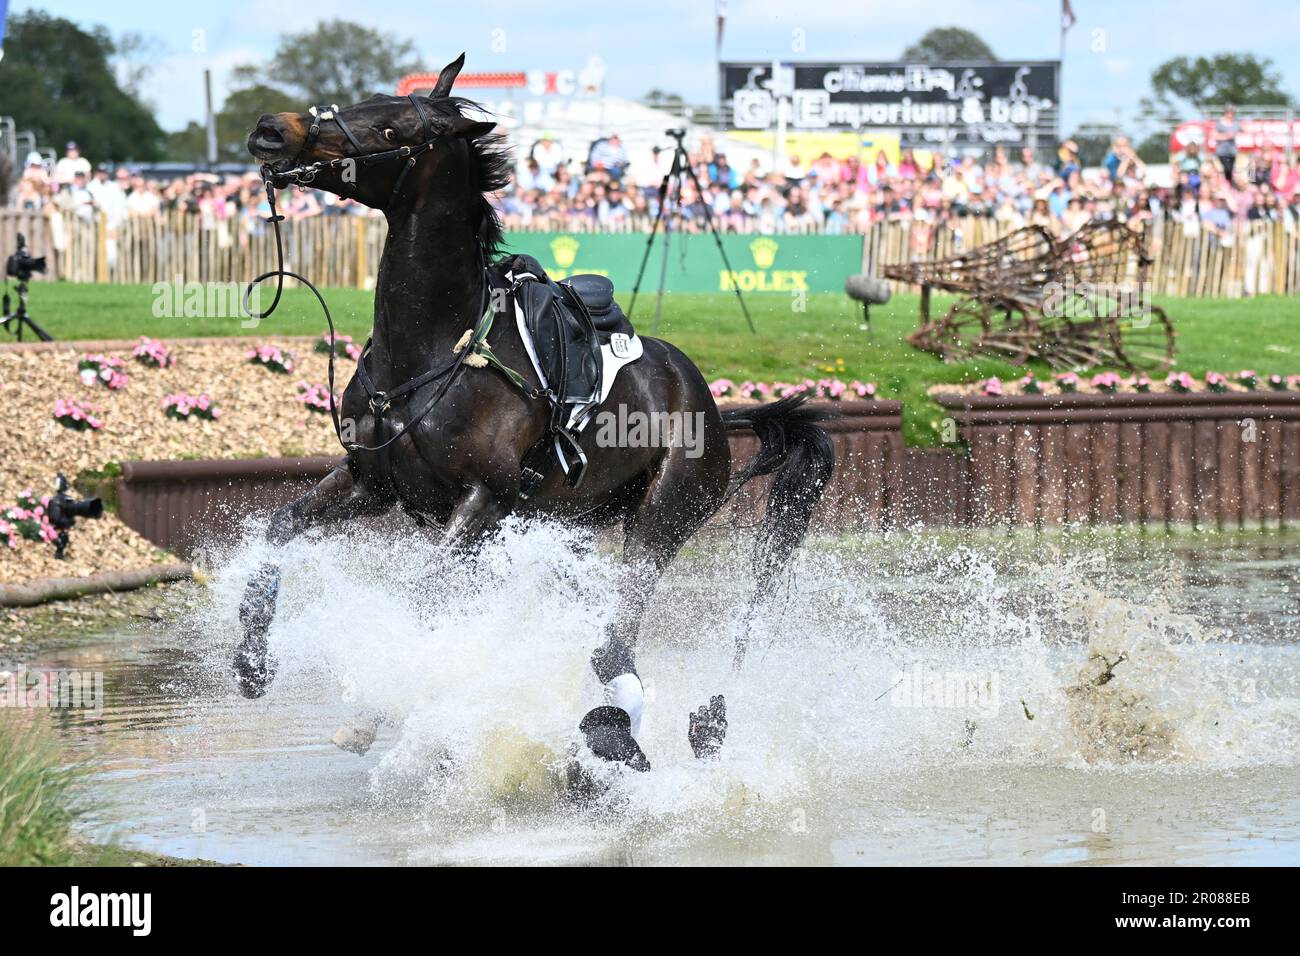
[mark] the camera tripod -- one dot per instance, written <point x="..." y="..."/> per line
<point x="15" y="323"/>
<point x="670" y="193"/>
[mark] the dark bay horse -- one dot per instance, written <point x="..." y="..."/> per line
<point x="451" y="451"/>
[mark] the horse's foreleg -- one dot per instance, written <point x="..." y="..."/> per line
<point x="337" y="497"/>
<point x="477" y="513"/>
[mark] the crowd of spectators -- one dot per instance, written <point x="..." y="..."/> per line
<point x="121" y="193"/>
<point x="610" y="191"/>
<point x="826" y="194"/>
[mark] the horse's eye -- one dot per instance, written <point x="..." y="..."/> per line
<point x="389" y="135"/>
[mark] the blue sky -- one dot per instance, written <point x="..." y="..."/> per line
<point x="668" y="44"/>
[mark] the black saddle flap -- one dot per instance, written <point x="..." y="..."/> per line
<point x="564" y="339"/>
<point x="597" y="293"/>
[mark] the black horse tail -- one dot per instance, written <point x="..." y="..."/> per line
<point x="800" y="452"/>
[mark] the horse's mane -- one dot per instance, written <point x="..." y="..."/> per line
<point x="491" y="166"/>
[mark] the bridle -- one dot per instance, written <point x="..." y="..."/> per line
<point x="303" y="174"/>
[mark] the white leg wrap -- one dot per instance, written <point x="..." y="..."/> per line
<point x="625" y="691"/>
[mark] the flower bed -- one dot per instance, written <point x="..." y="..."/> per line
<point x="1117" y="383"/>
<point x="726" y="391"/>
<point x="259" y="417"/>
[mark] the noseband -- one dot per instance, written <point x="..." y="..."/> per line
<point x="304" y="174"/>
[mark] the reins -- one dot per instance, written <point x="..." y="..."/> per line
<point x="303" y="175"/>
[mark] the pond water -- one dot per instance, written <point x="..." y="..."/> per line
<point x="910" y="699"/>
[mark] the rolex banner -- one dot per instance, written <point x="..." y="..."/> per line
<point x="784" y="264"/>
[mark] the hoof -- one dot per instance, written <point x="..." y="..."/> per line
<point x="608" y="732"/>
<point x="708" y="728"/>
<point x="253" y="673"/>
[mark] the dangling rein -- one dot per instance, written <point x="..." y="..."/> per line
<point x="471" y="350"/>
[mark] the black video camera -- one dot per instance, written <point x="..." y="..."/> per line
<point x="675" y="133"/>
<point x="20" y="265"/>
<point x="64" y="510"/>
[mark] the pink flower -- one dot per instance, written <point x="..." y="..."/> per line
<point x="184" y="405"/>
<point x="104" y="369"/>
<point x="152" y="353"/>
<point x="1180" y="382"/>
<point x="992" y="387"/>
<point x="1216" y="382"/>
<point x="330" y="343"/>
<point x="315" y="397"/>
<point x="1106" y="382"/>
<point x="722" y="387"/>
<point x="832" y="389"/>
<point x="70" y="413"/>
<point x="1067" y="382"/>
<point x="864" y="390"/>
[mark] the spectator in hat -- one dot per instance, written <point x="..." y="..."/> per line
<point x="72" y="163"/>
<point x="34" y="186"/>
<point x="548" y="153"/>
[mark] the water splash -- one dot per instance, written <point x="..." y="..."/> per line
<point x="887" y="657"/>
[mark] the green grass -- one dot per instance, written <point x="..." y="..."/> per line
<point x="41" y="796"/>
<point x="37" y="805"/>
<point x="1213" y="334"/>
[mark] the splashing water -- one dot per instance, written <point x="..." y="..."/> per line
<point x="896" y="687"/>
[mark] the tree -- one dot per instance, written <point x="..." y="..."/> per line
<point x="58" y="80"/>
<point x="1184" y="87"/>
<point x="948" y="43"/>
<point x="336" y="62"/>
<point x="134" y="58"/>
<point x="1218" y="80"/>
<point x="235" y="120"/>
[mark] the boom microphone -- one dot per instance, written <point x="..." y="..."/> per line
<point x="867" y="289"/>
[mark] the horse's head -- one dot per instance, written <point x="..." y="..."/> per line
<point x="380" y="151"/>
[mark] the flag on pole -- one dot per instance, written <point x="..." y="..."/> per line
<point x="722" y="20"/>
<point x="4" y="8"/>
<point x="1068" y="18"/>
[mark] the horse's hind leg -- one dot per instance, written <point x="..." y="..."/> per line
<point x="337" y="497"/>
<point x="680" y="497"/>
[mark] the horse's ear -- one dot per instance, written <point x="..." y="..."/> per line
<point x="471" y="129"/>
<point x="447" y="77"/>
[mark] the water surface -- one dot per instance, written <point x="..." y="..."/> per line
<point x="916" y="699"/>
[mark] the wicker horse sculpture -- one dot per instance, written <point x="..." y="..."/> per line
<point x="1075" y="302"/>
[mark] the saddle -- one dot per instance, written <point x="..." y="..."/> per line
<point x="577" y="339"/>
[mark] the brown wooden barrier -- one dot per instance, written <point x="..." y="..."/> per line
<point x="183" y="505"/>
<point x="1212" y="461"/>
